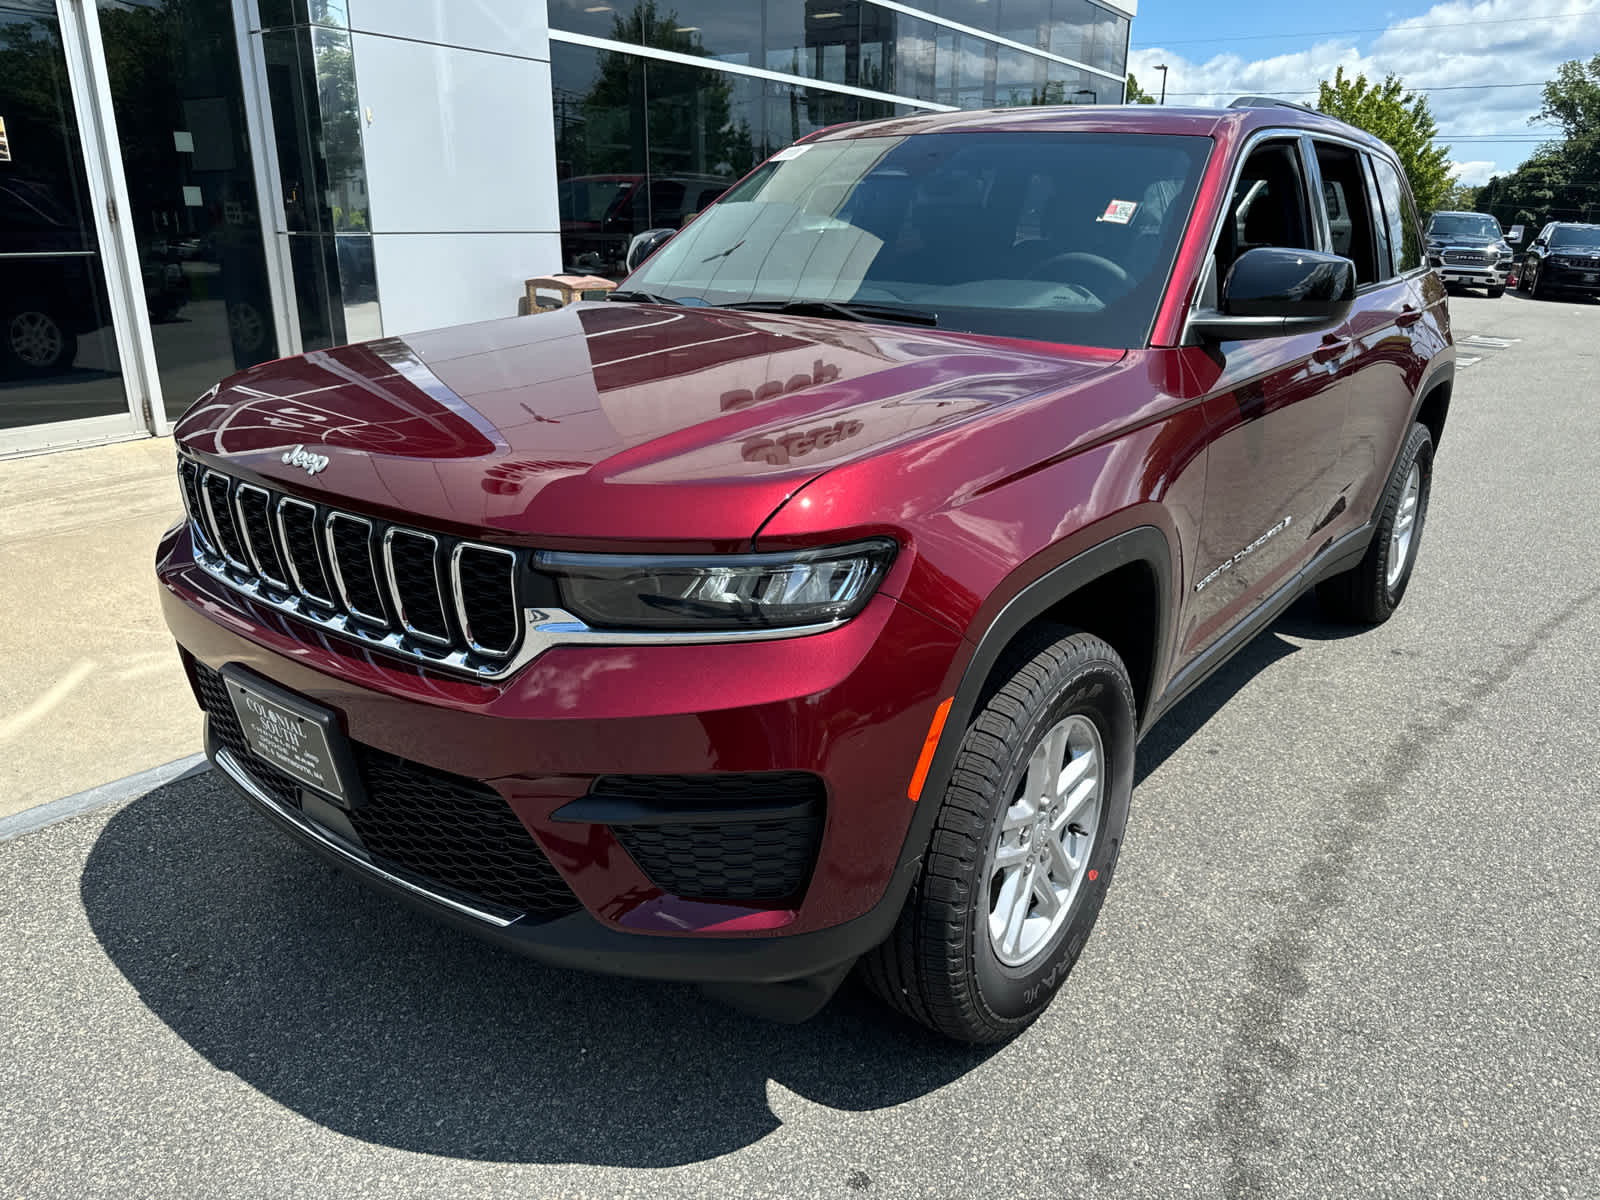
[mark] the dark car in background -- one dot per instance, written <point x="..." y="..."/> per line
<point x="1564" y="258"/>
<point x="1469" y="250"/>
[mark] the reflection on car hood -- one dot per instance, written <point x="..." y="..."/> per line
<point x="566" y="425"/>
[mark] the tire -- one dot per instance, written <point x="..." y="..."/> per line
<point x="1536" y="287"/>
<point x="1496" y="292"/>
<point x="1057" y="695"/>
<point x="33" y="341"/>
<point x="1369" y="593"/>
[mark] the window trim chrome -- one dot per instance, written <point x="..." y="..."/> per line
<point x="459" y="595"/>
<point x="394" y="584"/>
<point x="380" y="619"/>
<point x="244" y="532"/>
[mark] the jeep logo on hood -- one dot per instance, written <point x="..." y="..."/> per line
<point x="304" y="459"/>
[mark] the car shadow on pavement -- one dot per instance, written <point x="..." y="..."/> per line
<point x="366" y="1017"/>
<point x="1303" y="620"/>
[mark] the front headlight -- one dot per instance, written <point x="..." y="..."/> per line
<point x="732" y="592"/>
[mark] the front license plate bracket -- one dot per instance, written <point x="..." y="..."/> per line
<point x="296" y="736"/>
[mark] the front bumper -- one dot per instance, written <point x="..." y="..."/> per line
<point x="1580" y="279"/>
<point x="852" y="706"/>
<point x="1475" y="276"/>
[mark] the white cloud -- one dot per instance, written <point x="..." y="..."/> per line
<point x="1473" y="174"/>
<point x="1532" y="40"/>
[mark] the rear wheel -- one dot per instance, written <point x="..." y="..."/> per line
<point x="1369" y="593"/>
<point x="1024" y="844"/>
<point x="33" y="341"/>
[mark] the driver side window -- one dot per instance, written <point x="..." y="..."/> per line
<point x="1268" y="206"/>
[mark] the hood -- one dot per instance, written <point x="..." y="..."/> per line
<point x="1474" y="240"/>
<point x="607" y="421"/>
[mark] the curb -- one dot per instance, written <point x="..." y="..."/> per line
<point x="101" y="797"/>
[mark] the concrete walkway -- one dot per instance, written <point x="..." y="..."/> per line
<point x="90" y="686"/>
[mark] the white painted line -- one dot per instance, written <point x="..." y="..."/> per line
<point x="1468" y="360"/>
<point x="1484" y="342"/>
<point x="101" y="797"/>
<point x="58" y="691"/>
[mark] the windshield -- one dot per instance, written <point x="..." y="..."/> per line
<point x="1573" y="237"/>
<point x="1473" y="225"/>
<point x="589" y="199"/>
<point x="1064" y="237"/>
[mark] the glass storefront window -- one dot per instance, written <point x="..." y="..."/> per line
<point x="645" y="144"/>
<point x="179" y="105"/>
<point x="58" y="352"/>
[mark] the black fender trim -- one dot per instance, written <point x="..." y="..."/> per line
<point x="1145" y="544"/>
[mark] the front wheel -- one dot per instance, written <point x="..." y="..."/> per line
<point x="1369" y="593"/>
<point x="1024" y="844"/>
<point x="1496" y="292"/>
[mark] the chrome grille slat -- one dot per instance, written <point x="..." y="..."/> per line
<point x="297" y="534"/>
<point x="482" y="635"/>
<point x="357" y="581"/>
<point x="216" y="490"/>
<point x="262" y="550"/>
<point x="322" y="565"/>
<point x="411" y="562"/>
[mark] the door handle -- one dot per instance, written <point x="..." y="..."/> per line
<point x="1409" y="315"/>
<point x="1333" y="346"/>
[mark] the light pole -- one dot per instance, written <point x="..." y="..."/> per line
<point x="1162" y="67"/>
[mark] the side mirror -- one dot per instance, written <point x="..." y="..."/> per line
<point x="1514" y="236"/>
<point x="644" y="245"/>
<point x="1272" y="291"/>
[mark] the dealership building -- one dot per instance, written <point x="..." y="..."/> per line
<point x="190" y="187"/>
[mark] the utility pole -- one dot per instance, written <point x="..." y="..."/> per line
<point x="1162" y="67"/>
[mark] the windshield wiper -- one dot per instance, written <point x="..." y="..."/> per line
<point x="853" y="311"/>
<point x="634" y="296"/>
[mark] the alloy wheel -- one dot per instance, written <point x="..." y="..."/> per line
<point x="35" y="338"/>
<point x="1039" y="856"/>
<point x="1405" y="526"/>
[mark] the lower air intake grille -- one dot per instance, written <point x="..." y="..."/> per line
<point x="446" y="828"/>
<point x="744" y="856"/>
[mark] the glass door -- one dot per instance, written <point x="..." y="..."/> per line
<point x="178" y="102"/>
<point x="59" y="359"/>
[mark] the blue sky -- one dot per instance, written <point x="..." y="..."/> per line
<point x="1218" y="49"/>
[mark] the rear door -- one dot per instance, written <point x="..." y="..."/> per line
<point x="1392" y="334"/>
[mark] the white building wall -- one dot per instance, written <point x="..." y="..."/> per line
<point x="459" y="143"/>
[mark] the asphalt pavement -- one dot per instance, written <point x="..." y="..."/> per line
<point x="1353" y="948"/>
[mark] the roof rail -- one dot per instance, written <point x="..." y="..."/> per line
<point x="1269" y="102"/>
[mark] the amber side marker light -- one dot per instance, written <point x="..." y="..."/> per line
<point x="925" y="760"/>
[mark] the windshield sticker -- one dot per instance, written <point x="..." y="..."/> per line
<point x="789" y="152"/>
<point x="1119" y="212"/>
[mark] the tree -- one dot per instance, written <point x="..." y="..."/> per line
<point x="1136" y="94"/>
<point x="1561" y="180"/>
<point x="1460" y="197"/>
<point x="1402" y="119"/>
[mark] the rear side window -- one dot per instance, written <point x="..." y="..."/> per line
<point x="1400" y="215"/>
<point x="1344" y="195"/>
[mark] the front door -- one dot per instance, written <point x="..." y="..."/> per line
<point x="1277" y="414"/>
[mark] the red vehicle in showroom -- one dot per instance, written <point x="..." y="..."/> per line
<point x="802" y="604"/>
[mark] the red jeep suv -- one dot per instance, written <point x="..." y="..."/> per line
<point x="802" y="604"/>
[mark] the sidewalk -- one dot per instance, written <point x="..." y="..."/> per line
<point x="90" y="686"/>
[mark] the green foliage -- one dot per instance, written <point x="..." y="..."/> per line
<point x="1402" y="119"/>
<point x="1561" y="181"/>
<point x="1136" y="94"/>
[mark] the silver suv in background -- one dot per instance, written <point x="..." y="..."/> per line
<point x="1469" y="250"/>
